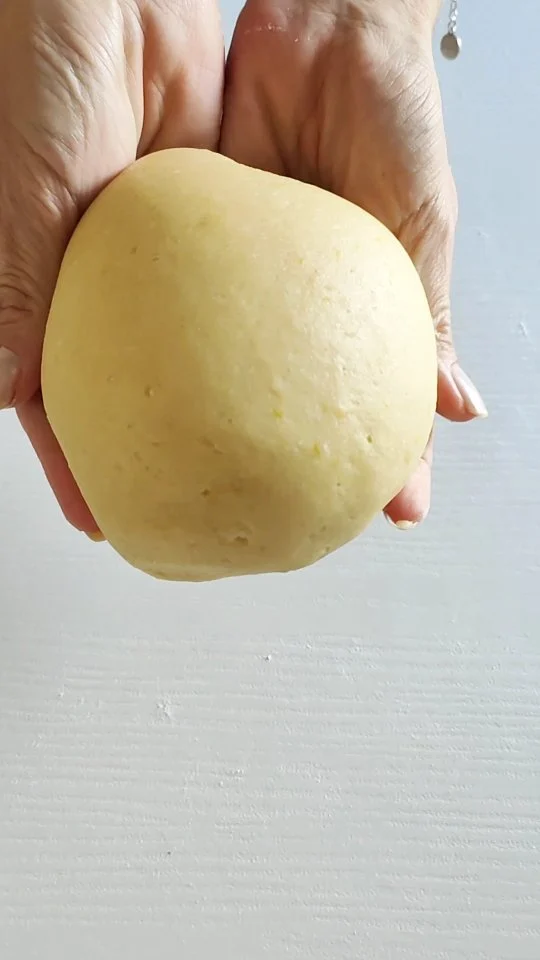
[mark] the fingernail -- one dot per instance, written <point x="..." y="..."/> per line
<point x="9" y="371"/>
<point x="402" y="524"/>
<point x="470" y="395"/>
<point x="96" y="537"/>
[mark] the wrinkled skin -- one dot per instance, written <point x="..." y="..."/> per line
<point x="85" y="89"/>
<point x="332" y="94"/>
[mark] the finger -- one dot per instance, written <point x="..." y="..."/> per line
<point x="458" y="398"/>
<point x="412" y="504"/>
<point x="35" y="423"/>
<point x="429" y="239"/>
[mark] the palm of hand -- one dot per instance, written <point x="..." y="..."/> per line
<point x="333" y="103"/>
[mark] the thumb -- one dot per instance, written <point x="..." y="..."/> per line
<point x="36" y="220"/>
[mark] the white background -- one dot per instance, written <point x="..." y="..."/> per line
<point x="343" y="763"/>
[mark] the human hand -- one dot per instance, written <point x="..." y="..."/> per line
<point x="346" y="96"/>
<point x="86" y="87"/>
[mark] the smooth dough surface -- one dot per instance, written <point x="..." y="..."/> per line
<point x="239" y="368"/>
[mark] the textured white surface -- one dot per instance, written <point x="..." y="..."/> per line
<point x="339" y="764"/>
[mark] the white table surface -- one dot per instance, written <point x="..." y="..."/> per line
<point x="342" y="763"/>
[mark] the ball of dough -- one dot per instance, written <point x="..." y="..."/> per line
<point x="239" y="368"/>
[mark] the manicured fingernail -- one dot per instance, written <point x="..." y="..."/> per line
<point x="96" y="537"/>
<point x="402" y="524"/>
<point x="9" y="371"/>
<point x="470" y="395"/>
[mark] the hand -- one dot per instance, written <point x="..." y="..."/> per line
<point x="346" y="97"/>
<point x="86" y="87"/>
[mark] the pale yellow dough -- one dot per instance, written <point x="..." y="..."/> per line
<point x="240" y="368"/>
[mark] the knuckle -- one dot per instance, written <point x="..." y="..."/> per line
<point x="444" y="214"/>
<point x="19" y="337"/>
<point x="431" y="225"/>
<point x="443" y="332"/>
<point x="16" y="305"/>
